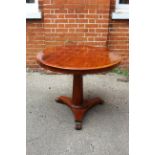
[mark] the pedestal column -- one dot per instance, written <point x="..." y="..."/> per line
<point x="77" y="96"/>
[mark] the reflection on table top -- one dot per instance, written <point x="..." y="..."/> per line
<point x="78" y="57"/>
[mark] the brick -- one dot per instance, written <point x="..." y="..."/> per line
<point x="92" y="10"/>
<point x="71" y="30"/>
<point x="50" y="25"/>
<point x="91" y="25"/>
<point x="71" y="25"/>
<point x="82" y="20"/>
<point x="59" y="1"/>
<point x="81" y="30"/>
<point x="76" y="2"/>
<point x="102" y="20"/>
<point x="61" y="11"/>
<point x="102" y="30"/>
<point x="61" y="25"/>
<point x="81" y="25"/>
<point x="71" y="10"/>
<point x="50" y="16"/>
<point x="61" y="30"/>
<point x="61" y="16"/>
<point x="61" y="20"/>
<point x="71" y="16"/>
<point x="81" y="16"/>
<point x="92" y="16"/>
<point x="72" y="20"/>
<point x="92" y="21"/>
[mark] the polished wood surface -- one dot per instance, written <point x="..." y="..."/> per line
<point x="78" y="60"/>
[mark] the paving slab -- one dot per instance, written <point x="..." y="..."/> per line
<point x="50" y="126"/>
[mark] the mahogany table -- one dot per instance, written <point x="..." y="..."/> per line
<point x="78" y="60"/>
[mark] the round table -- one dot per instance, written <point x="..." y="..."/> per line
<point x="78" y="60"/>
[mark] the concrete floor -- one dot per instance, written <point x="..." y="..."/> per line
<point x="50" y="126"/>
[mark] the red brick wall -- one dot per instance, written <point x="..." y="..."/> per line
<point x="35" y="40"/>
<point x="74" y="22"/>
<point x="118" y="40"/>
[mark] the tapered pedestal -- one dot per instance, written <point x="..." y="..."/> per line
<point x="78" y="106"/>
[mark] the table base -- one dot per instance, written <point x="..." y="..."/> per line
<point x="79" y="110"/>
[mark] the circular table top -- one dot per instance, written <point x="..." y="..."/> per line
<point x="77" y="59"/>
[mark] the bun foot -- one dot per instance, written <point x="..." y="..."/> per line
<point x="64" y="100"/>
<point x="58" y="100"/>
<point x="101" y="102"/>
<point x="78" y="125"/>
